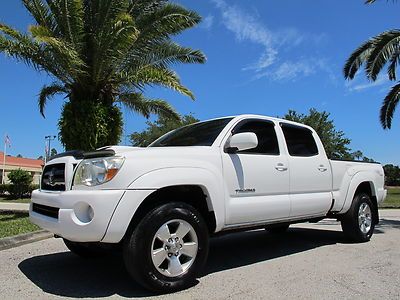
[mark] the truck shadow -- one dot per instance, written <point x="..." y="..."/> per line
<point x="64" y="274"/>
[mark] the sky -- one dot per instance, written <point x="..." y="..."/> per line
<point x="263" y="57"/>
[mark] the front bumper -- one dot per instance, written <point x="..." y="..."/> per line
<point x="83" y="216"/>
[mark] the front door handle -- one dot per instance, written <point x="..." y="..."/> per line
<point x="281" y="167"/>
<point x="322" y="168"/>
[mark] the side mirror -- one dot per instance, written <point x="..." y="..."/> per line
<point x="242" y="141"/>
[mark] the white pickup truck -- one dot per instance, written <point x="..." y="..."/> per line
<point x="161" y="204"/>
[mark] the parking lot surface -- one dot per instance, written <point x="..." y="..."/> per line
<point x="310" y="261"/>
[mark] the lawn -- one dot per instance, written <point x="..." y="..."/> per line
<point x="393" y="198"/>
<point x="14" y="223"/>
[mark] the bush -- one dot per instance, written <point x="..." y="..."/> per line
<point x="21" y="184"/>
<point x="20" y="177"/>
<point x="17" y="191"/>
<point x="3" y="189"/>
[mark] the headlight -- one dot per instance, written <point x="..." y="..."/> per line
<point x="95" y="171"/>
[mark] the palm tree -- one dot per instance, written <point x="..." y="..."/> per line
<point x="102" y="53"/>
<point x="374" y="55"/>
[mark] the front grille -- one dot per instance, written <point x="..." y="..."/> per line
<point x="49" y="211"/>
<point x="53" y="178"/>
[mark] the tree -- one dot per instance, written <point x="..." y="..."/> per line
<point x="53" y="152"/>
<point x="40" y="157"/>
<point x="19" y="156"/>
<point x="158" y="128"/>
<point x="374" y="54"/>
<point x="358" y="155"/>
<point x="392" y="175"/>
<point x="102" y="53"/>
<point x="335" y="142"/>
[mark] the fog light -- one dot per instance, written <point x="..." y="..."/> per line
<point x="83" y="212"/>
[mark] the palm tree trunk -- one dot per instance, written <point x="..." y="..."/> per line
<point x="88" y="122"/>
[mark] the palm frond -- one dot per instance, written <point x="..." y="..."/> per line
<point x="356" y="59"/>
<point x="160" y="76"/>
<point x="373" y="1"/>
<point x="385" y="45"/>
<point x="394" y="60"/>
<point x="143" y="7"/>
<point x="167" y="20"/>
<point x="389" y="106"/>
<point x="145" y="106"/>
<point x="47" y="93"/>
<point x="24" y="48"/>
<point x="169" y="53"/>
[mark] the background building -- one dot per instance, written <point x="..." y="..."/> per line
<point x="34" y="166"/>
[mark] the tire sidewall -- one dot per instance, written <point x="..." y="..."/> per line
<point x="140" y="245"/>
<point x="360" y="199"/>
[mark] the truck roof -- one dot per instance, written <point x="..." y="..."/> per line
<point x="249" y="116"/>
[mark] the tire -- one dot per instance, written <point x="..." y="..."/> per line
<point x="86" y="250"/>
<point x="358" y="223"/>
<point x="153" y="259"/>
<point x="277" y="229"/>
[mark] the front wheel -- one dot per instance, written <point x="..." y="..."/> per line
<point x="358" y="223"/>
<point x="168" y="248"/>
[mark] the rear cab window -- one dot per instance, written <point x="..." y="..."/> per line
<point x="299" y="140"/>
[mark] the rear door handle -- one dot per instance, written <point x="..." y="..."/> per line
<point x="322" y="168"/>
<point x="281" y="167"/>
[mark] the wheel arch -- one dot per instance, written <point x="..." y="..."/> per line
<point x="194" y="195"/>
<point x="361" y="183"/>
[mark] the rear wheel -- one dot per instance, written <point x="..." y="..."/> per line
<point x="168" y="248"/>
<point x="358" y="223"/>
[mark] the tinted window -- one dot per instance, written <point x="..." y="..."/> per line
<point x="299" y="140"/>
<point x="266" y="135"/>
<point x="199" y="134"/>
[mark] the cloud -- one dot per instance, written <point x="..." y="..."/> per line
<point x="248" y="28"/>
<point x="207" y="22"/>
<point x="358" y="84"/>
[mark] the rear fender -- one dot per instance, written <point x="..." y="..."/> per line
<point x="355" y="182"/>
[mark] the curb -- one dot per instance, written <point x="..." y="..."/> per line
<point x="22" y="239"/>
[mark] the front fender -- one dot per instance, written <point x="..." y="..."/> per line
<point x="210" y="183"/>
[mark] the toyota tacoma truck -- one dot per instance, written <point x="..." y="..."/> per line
<point x="161" y="204"/>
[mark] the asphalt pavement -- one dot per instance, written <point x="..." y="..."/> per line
<point x="310" y="261"/>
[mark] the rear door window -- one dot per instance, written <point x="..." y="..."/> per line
<point x="299" y="140"/>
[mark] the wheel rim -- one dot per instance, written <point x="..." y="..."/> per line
<point x="174" y="248"/>
<point x="364" y="218"/>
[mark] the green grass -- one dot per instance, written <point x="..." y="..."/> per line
<point x="392" y="199"/>
<point x="23" y="200"/>
<point x="14" y="223"/>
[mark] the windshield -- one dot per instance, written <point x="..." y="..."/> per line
<point x="198" y="134"/>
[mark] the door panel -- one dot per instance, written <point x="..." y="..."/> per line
<point x="258" y="191"/>
<point x="310" y="188"/>
<point x="310" y="172"/>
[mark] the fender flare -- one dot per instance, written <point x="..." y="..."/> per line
<point x="356" y="180"/>
<point x="174" y="176"/>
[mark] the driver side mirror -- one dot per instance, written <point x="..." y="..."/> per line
<point x="241" y="141"/>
